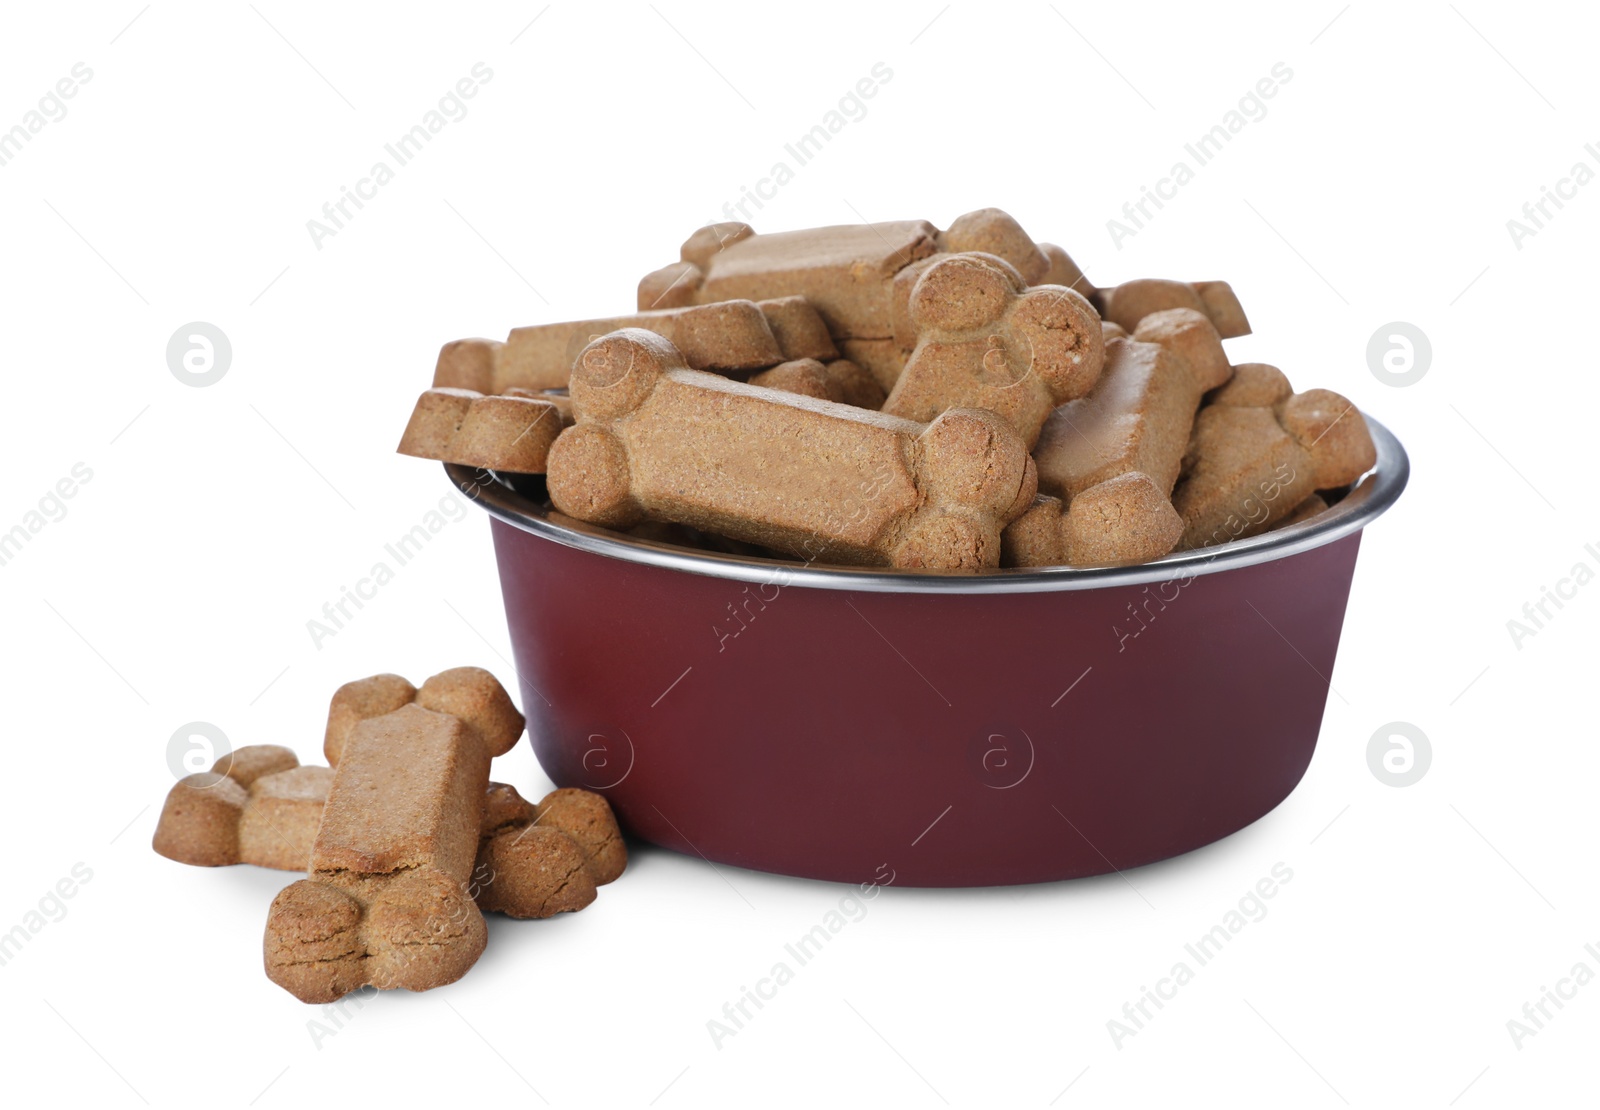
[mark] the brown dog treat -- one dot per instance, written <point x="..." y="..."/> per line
<point x="807" y="477"/>
<point x="1253" y="385"/>
<point x="476" y="697"/>
<point x="1248" y="468"/>
<point x="729" y="336"/>
<point x="467" y="364"/>
<point x="355" y="701"/>
<point x="1332" y="430"/>
<point x="532" y="872"/>
<point x="805" y="376"/>
<point x="986" y="341"/>
<point x="1122" y="520"/>
<point x="1310" y="507"/>
<point x="504" y="808"/>
<point x="986" y="231"/>
<point x="900" y="290"/>
<point x="587" y="818"/>
<point x="199" y="821"/>
<point x="560" y="398"/>
<point x="798" y="328"/>
<point x="213" y="820"/>
<point x="711" y="239"/>
<point x="1223" y="306"/>
<point x="205" y="823"/>
<point x="1132" y="301"/>
<point x="1037" y="538"/>
<point x="1110" y="331"/>
<point x="470" y="693"/>
<point x="733" y="335"/>
<point x="1064" y="271"/>
<point x="314" y="945"/>
<point x="507" y="433"/>
<point x="387" y="902"/>
<point x="525" y="871"/>
<point x="1193" y="338"/>
<point x="675" y="285"/>
<point x="844" y="271"/>
<point x="435" y="419"/>
<point x="1243" y="473"/>
<point x="1139" y="414"/>
<point x="1125" y="519"/>
<point x="991" y="231"/>
<point x="882" y="358"/>
<point x="840" y="380"/>
<point x="251" y="807"/>
<point x="1136" y="421"/>
<point x="414" y="928"/>
<point x="513" y="434"/>
<point x="856" y="386"/>
<point x="247" y="764"/>
<point x="280" y="821"/>
<point x="398" y="798"/>
<point x="1106" y="432"/>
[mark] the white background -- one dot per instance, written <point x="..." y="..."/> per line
<point x="219" y="520"/>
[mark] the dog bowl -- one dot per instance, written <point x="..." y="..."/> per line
<point x="998" y="727"/>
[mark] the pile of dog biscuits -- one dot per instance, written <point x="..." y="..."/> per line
<point x="405" y="841"/>
<point x="893" y="395"/>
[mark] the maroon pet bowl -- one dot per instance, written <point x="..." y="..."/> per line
<point x="929" y="730"/>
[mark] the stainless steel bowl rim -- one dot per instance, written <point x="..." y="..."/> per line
<point x="1372" y="495"/>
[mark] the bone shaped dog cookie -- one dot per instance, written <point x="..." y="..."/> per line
<point x="474" y="696"/>
<point x="508" y="433"/>
<point x="258" y="806"/>
<point x="859" y="276"/>
<point x="986" y="340"/>
<point x="730" y="336"/>
<point x="845" y="272"/>
<point x="1132" y="301"/>
<point x="809" y="477"/>
<point x="1125" y="519"/>
<point x="538" y="861"/>
<point x="388" y="899"/>
<point x="1250" y="466"/>
<point x="220" y="817"/>
<point x="986" y="231"/>
<point x="1113" y="455"/>
<point x="499" y="406"/>
<point x="470" y="693"/>
<point x="992" y="231"/>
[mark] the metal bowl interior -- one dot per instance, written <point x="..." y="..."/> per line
<point x="1368" y="498"/>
